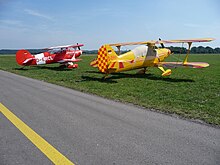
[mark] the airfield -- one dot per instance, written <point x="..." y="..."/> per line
<point x="189" y="93"/>
<point x="88" y="129"/>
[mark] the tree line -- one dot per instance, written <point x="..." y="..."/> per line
<point x="176" y="50"/>
<point x="195" y="50"/>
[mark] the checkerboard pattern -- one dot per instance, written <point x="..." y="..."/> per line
<point x="103" y="59"/>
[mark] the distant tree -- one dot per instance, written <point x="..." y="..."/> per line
<point x="194" y="50"/>
<point x="178" y="50"/>
<point x="217" y="50"/>
<point x="209" y="50"/>
<point x="201" y="49"/>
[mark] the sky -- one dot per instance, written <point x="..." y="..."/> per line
<point x="26" y="24"/>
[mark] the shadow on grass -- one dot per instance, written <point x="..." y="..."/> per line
<point x="102" y="80"/>
<point x="22" y="68"/>
<point x="54" y="68"/>
<point x="116" y="76"/>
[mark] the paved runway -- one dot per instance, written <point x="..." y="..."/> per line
<point x="91" y="130"/>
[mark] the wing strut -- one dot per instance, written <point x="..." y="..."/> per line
<point x="187" y="54"/>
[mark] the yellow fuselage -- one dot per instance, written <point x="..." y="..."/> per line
<point x="141" y="57"/>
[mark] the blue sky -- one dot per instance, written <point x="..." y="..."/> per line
<point x="45" y="23"/>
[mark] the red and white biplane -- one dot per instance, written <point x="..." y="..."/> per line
<point x="65" y="55"/>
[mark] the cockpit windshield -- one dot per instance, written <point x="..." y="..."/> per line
<point x="140" y="50"/>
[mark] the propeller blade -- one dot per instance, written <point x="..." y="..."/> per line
<point x="78" y="46"/>
<point x="162" y="45"/>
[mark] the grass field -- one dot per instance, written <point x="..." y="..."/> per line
<point x="190" y="93"/>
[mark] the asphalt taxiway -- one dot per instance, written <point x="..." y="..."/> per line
<point x="87" y="129"/>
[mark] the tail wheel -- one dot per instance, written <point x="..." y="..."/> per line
<point x="72" y="66"/>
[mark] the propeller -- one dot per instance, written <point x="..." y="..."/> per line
<point x="78" y="46"/>
<point x="162" y="45"/>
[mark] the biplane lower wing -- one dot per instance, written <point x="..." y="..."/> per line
<point x="181" y="64"/>
<point x="69" y="60"/>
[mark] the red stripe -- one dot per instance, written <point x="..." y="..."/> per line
<point x="113" y="64"/>
<point x="96" y="63"/>
<point x="121" y="65"/>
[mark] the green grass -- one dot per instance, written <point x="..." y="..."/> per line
<point x="190" y="93"/>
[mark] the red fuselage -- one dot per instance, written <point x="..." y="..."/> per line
<point x="58" y="57"/>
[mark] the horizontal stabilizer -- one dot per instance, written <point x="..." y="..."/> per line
<point x="94" y="63"/>
<point x="181" y="64"/>
<point x="27" y="61"/>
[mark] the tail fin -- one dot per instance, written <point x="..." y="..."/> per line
<point x="105" y="55"/>
<point x="22" y="56"/>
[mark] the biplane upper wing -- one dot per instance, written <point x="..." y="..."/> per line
<point x="181" y="64"/>
<point x="134" y="43"/>
<point x="185" y="41"/>
<point x="65" y="46"/>
<point x="152" y="42"/>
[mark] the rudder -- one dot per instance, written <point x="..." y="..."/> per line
<point x="22" y="55"/>
<point x="105" y="55"/>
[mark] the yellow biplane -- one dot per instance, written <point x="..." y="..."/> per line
<point x="143" y="56"/>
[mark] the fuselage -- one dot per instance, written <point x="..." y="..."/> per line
<point x="142" y="57"/>
<point x="49" y="58"/>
